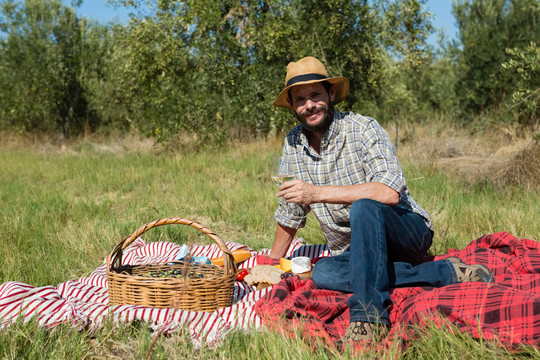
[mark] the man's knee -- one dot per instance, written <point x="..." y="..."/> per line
<point x="361" y="207"/>
<point x="332" y="273"/>
<point x="321" y="270"/>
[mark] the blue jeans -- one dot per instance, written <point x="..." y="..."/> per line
<point x="385" y="242"/>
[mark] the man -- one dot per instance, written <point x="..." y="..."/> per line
<point x="347" y="173"/>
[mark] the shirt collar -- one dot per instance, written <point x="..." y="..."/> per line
<point x="334" y="128"/>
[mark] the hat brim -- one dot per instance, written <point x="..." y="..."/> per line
<point x="342" y="90"/>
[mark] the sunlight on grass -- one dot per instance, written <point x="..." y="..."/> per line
<point x="63" y="213"/>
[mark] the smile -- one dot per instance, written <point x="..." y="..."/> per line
<point x="313" y="115"/>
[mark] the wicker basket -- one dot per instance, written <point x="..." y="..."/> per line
<point x="210" y="289"/>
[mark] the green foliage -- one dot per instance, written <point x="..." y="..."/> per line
<point x="405" y="29"/>
<point x="486" y="30"/>
<point x="524" y="65"/>
<point x="39" y="60"/>
<point x="49" y="65"/>
<point x="107" y="109"/>
<point x="209" y="67"/>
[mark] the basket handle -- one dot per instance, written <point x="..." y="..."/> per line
<point x="115" y="258"/>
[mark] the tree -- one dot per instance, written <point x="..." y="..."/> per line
<point x="408" y="90"/>
<point x="486" y="29"/>
<point x="44" y="64"/>
<point x="524" y="64"/>
<point x="208" y="66"/>
<point x="205" y="68"/>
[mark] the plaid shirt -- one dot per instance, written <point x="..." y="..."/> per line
<point x="354" y="150"/>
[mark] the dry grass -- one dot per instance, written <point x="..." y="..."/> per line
<point x="46" y="143"/>
<point x="502" y="156"/>
<point x="523" y="168"/>
<point x="499" y="157"/>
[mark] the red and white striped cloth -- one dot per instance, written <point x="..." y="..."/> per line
<point x="84" y="302"/>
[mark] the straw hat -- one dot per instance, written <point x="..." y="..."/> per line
<point x="307" y="71"/>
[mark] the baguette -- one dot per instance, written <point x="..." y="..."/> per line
<point x="240" y="255"/>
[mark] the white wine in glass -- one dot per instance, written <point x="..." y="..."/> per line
<point x="281" y="170"/>
<point x="280" y="179"/>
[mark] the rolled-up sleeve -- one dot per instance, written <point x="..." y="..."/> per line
<point x="291" y="215"/>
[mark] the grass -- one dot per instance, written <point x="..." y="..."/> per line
<point x="64" y="210"/>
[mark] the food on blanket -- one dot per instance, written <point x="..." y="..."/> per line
<point x="301" y="264"/>
<point x="241" y="275"/>
<point x="263" y="274"/>
<point x="240" y="256"/>
<point x="174" y="274"/>
<point x="289" y="275"/>
<point x="263" y="285"/>
<point x="285" y="264"/>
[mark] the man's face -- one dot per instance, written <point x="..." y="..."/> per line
<point x="312" y="105"/>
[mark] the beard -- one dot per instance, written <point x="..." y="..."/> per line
<point x="321" y="126"/>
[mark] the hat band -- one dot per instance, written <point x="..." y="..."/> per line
<point x="305" y="77"/>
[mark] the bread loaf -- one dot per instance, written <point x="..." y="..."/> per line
<point x="263" y="274"/>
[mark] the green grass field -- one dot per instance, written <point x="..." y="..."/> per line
<point x="63" y="212"/>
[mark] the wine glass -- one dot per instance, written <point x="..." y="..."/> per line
<point x="281" y="170"/>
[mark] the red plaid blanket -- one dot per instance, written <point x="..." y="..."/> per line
<point x="508" y="310"/>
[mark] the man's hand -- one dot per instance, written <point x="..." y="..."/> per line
<point x="299" y="192"/>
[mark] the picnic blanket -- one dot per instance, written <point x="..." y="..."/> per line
<point x="508" y="309"/>
<point x="84" y="302"/>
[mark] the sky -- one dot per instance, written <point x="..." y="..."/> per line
<point x="101" y="11"/>
<point x="442" y="18"/>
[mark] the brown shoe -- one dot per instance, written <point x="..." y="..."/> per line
<point x="360" y="331"/>
<point x="469" y="273"/>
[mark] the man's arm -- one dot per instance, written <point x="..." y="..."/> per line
<point x="299" y="192"/>
<point x="284" y="237"/>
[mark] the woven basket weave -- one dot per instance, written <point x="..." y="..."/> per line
<point x="213" y="289"/>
